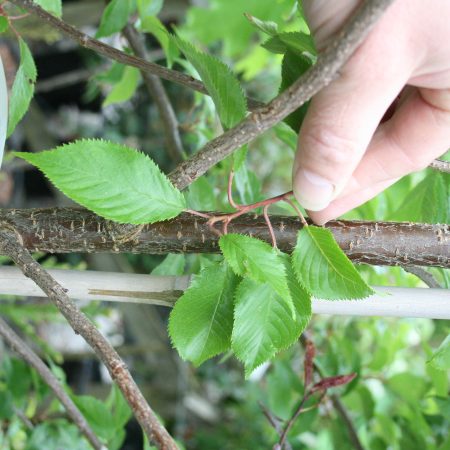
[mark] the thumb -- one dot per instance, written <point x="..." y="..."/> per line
<point x="343" y="117"/>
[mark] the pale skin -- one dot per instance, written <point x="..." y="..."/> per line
<point x="345" y="156"/>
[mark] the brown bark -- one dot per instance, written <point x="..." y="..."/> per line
<point x="65" y="230"/>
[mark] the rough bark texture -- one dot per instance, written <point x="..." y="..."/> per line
<point x="65" y="230"/>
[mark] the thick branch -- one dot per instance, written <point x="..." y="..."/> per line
<point x="318" y="76"/>
<point x="121" y="57"/>
<point x="29" y="356"/>
<point x="159" y="95"/>
<point x="10" y="246"/>
<point x="66" y="230"/>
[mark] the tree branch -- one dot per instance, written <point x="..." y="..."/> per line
<point x="117" y="55"/>
<point x="317" y="77"/>
<point x="159" y="95"/>
<point x="440" y="165"/>
<point x="66" y="230"/>
<point x="29" y="356"/>
<point x="10" y="245"/>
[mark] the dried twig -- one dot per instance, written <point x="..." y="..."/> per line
<point x="159" y="95"/>
<point x="28" y="355"/>
<point x="11" y="246"/>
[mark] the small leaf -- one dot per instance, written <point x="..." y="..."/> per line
<point x="201" y="195"/>
<point x="151" y="24"/>
<point x="147" y="8"/>
<point x="427" y="202"/>
<point x="114" y="181"/>
<point x="293" y="66"/>
<point x="263" y="323"/>
<point x="296" y="42"/>
<point x="250" y="257"/>
<point x="125" y="88"/>
<point x="287" y="135"/>
<point x="266" y="26"/>
<point x="4" y="25"/>
<point x="114" y="18"/>
<point x="221" y="83"/>
<point x="327" y="383"/>
<point x="23" y="87"/>
<point x="323" y="268"/>
<point x="201" y="322"/>
<point x="173" y="264"/>
<point x="52" y="6"/>
<point x="118" y="406"/>
<point x="441" y="357"/>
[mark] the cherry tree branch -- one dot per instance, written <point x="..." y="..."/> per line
<point x="29" y="356"/>
<point x="440" y="165"/>
<point x="66" y="230"/>
<point x="10" y="245"/>
<point x="317" y="77"/>
<point x="159" y="95"/>
<point x="427" y="277"/>
<point x="117" y="55"/>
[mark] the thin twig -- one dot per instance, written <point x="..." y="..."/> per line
<point x="440" y="165"/>
<point x="427" y="277"/>
<point x="29" y="356"/>
<point x="121" y="57"/>
<point x="11" y="246"/>
<point x="159" y="95"/>
<point x="317" y="77"/>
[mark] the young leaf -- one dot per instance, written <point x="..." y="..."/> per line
<point x="173" y="264"/>
<point x="266" y="26"/>
<point x="323" y="268"/>
<point x="147" y="8"/>
<point x="23" y="87"/>
<point x="220" y="82"/>
<point x="263" y="324"/>
<point x="201" y="322"/>
<point x="296" y="42"/>
<point x="151" y="24"/>
<point x="114" y="181"/>
<point x="114" y="18"/>
<point x="125" y="88"/>
<point x="4" y="24"/>
<point x="427" y="202"/>
<point x="52" y="6"/>
<point x="441" y="357"/>
<point x="255" y="259"/>
<point x="293" y="66"/>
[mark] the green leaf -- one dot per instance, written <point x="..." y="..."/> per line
<point x="266" y="26"/>
<point x="201" y="196"/>
<point x="441" y="357"/>
<point x="4" y="25"/>
<point x="296" y="42"/>
<point x="287" y="135"/>
<point x="151" y="24"/>
<point x="114" y="18"/>
<point x="201" y="322"/>
<point x="323" y="268"/>
<point x="173" y="264"/>
<point x="293" y="66"/>
<point x="255" y="259"/>
<point x="114" y="181"/>
<point x="125" y="88"/>
<point x="23" y="87"/>
<point x="52" y="6"/>
<point x="223" y="86"/>
<point x="119" y="408"/>
<point x="428" y="202"/>
<point x="263" y="323"/>
<point x="97" y="414"/>
<point x="147" y="8"/>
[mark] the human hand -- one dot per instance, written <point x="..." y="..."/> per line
<point x="345" y="156"/>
